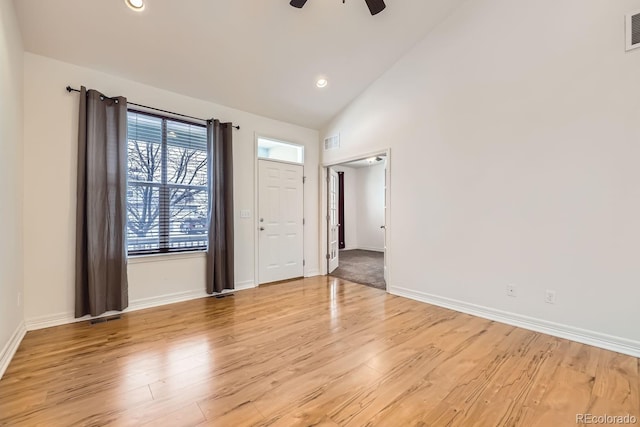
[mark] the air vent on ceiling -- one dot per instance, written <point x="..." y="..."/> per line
<point x="332" y="142"/>
<point x="633" y="30"/>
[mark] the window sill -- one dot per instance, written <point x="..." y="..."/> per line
<point x="142" y="259"/>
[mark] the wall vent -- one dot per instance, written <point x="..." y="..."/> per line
<point x="332" y="142"/>
<point x="633" y="30"/>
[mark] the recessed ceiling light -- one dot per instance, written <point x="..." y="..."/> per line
<point x="137" y="5"/>
<point x="321" y="83"/>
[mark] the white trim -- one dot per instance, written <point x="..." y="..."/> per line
<point x="241" y="286"/>
<point x="160" y="300"/>
<point x="284" y="162"/>
<point x="361" y="156"/>
<point x="256" y="223"/>
<point x="312" y="273"/>
<point x="597" y="339"/>
<point x="368" y="248"/>
<point x="49" y="321"/>
<point x="142" y="259"/>
<point x="11" y="347"/>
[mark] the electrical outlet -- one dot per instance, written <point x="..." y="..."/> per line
<point x="550" y="297"/>
<point x="511" y="290"/>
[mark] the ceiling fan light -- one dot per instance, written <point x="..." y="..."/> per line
<point x="137" y="5"/>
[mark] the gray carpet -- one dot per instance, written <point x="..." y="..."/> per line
<point x="365" y="267"/>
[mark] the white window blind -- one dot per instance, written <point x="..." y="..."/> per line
<point x="167" y="190"/>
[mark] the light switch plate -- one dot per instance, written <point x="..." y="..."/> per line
<point x="245" y="213"/>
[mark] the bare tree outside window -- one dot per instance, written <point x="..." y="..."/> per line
<point x="167" y="185"/>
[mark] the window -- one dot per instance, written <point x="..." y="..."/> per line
<point x="166" y="185"/>
<point x="277" y="150"/>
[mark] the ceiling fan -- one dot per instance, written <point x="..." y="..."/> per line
<point x="375" y="6"/>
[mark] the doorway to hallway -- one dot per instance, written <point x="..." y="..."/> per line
<point x="357" y="195"/>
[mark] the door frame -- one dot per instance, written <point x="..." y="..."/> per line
<point x="341" y="233"/>
<point x="254" y="216"/>
<point x="324" y="209"/>
<point x="330" y="235"/>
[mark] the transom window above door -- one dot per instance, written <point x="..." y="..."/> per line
<point x="280" y="151"/>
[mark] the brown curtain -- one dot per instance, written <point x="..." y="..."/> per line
<point x="101" y="258"/>
<point x="220" y="170"/>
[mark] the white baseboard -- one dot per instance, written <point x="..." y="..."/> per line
<point x="140" y="304"/>
<point x="11" y="347"/>
<point x="596" y="339"/>
<point x="241" y="286"/>
<point x="312" y="273"/>
<point x="368" y="248"/>
<point x="50" y="320"/>
<point x="160" y="300"/>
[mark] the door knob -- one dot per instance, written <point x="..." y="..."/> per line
<point x="261" y="228"/>
<point x="383" y="226"/>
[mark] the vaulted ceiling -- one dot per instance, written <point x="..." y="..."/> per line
<point x="261" y="56"/>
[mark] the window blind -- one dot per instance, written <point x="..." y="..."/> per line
<point x="167" y="189"/>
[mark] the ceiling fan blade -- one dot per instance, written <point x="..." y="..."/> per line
<point x="298" y="3"/>
<point x="375" y="6"/>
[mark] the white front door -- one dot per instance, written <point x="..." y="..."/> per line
<point x="332" y="220"/>
<point x="280" y="221"/>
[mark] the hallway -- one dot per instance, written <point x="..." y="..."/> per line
<point x="360" y="266"/>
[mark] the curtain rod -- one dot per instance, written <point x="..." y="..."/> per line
<point x="70" y="89"/>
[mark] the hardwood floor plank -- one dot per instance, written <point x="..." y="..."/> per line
<point x="96" y="409"/>
<point x="503" y="393"/>
<point x="422" y="394"/>
<point x="615" y="379"/>
<point x="317" y="351"/>
<point x="382" y="397"/>
<point x="242" y="415"/>
<point x="310" y="400"/>
<point x="190" y="415"/>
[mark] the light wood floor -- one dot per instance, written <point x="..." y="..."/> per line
<point x="311" y="352"/>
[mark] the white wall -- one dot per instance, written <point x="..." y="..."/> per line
<point x="515" y="136"/>
<point x="11" y="146"/>
<point x="350" y="206"/>
<point x="50" y="179"/>
<point x="370" y="201"/>
<point x="363" y="206"/>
